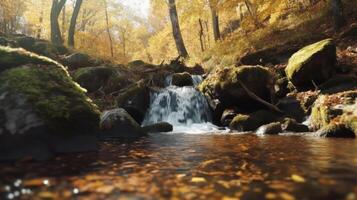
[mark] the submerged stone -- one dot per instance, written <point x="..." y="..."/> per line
<point x="158" y="127"/>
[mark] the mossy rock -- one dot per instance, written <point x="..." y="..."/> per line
<point x="14" y="57"/>
<point x="224" y="85"/>
<point x="313" y="63"/>
<point x="117" y="123"/>
<point x="94" y="78"/>
<point x="335" y="109"/>
<point x="336" y="131"/>
<point x="182" y="79"/>
<point x="78" y="60"/>
<point x="55" y="97"/>
<point x="291" y="125"/>
<point x="250" y="122"/>
<point x="135" y="99"/>
<point x="270" y="129"/>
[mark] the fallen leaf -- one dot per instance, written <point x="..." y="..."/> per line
<point x="198" y="180"/>
<point x="297" y="178"/>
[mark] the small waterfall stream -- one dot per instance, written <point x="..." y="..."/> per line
<point x="183" y="107"/>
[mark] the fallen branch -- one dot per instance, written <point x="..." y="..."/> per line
<point x="260" y="100"/>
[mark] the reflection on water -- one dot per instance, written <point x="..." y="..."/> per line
<point x="194" y="167"/>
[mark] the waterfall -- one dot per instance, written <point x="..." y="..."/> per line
<point x="183" y="107"/>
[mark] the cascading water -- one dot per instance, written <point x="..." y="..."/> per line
<point x="183" y="107"/>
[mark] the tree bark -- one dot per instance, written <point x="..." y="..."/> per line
<point x="56" y="37"/>
<point x="215" y="24"/>
<point x="176" y="30"/>
<point x="201" y="35"/>
<point x="72" y="26"/>
<point x="108" y="30"/>
<point x="337" y="12"/>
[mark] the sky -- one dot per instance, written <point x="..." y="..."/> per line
<point x="141" y="5"/>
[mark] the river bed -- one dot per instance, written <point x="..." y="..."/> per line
<point x="193" y="166"/>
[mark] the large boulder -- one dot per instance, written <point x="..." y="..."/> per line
<point x="109" y="79"/>
<point x="117" y="123"/>
<point x="223" y="87"/>
<point x="314" y="63"/>
<point x="335" y="110"/>
<point x="42" y="110"/>
<point x="78" y="60"/>
<point x="182" y="79"/>
<point x="135" y="99"/>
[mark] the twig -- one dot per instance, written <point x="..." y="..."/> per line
<point x="260" y="100"/>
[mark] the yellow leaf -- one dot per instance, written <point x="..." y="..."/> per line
<point x="198" y="180"/>
<point x="286" y="196"/>
<point x="297" y="178"/>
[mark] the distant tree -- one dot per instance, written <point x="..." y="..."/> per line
<point x="57" y="6"/>
<point x="215" y="19"/>
<point x="337" y="12"/>
<point x="176" y="29"/>
<point x="72" y="26"/>
<point x="108" y="29"/>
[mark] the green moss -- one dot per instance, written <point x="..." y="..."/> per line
<point x="305" y="55"/>
<point x="55" y="97"/>
<point x="252" y="121"/>
<point x="14" y="57"/>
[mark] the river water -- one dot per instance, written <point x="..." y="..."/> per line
<point x="194" y="166"/>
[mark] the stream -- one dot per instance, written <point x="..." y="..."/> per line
<point x="193" y="166"/>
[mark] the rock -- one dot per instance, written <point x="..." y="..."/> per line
<point x="336" y="131"/>
<point x="339" y="108"/>
<point x="135" y="99"/>
<point x="223" y="85"/>
<point x="315" y="62"/>
<point x="117" y="123"/>
<point x="281" y="87"/>
<point x="14" y="57"/>
<point x="94" y="78"/>
<point x="252" y="121"/>
<point x="275" y="55"/>
<point x="227" y="116"/>
<point x="270" y="129"/>
<point x="41" y="105"/>
<point x="182" y="79"/>
<point x="78" y="60"/>
<point x="292" y="107"/>
<point x="339" y="83"/>
<point x="158" y="128"/>
<point x="291" y="125"/>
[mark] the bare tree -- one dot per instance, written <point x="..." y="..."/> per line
<point x="72" y="26"/>
<point x="57" y="6"/>
<point x="176" y="29"/>
<point x="108" y="29"/>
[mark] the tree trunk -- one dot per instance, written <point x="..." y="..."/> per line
<point x="215" y="24"/>
<point x="108" y="30"/>
<point x="176" y="30"/>
<point x="201" y="35"/>
<point x="56" y="37"/>
<point x="72" y="26"/>
<point x="337" y="12"/>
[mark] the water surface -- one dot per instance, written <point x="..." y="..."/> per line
<point x="183" y="166"/>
